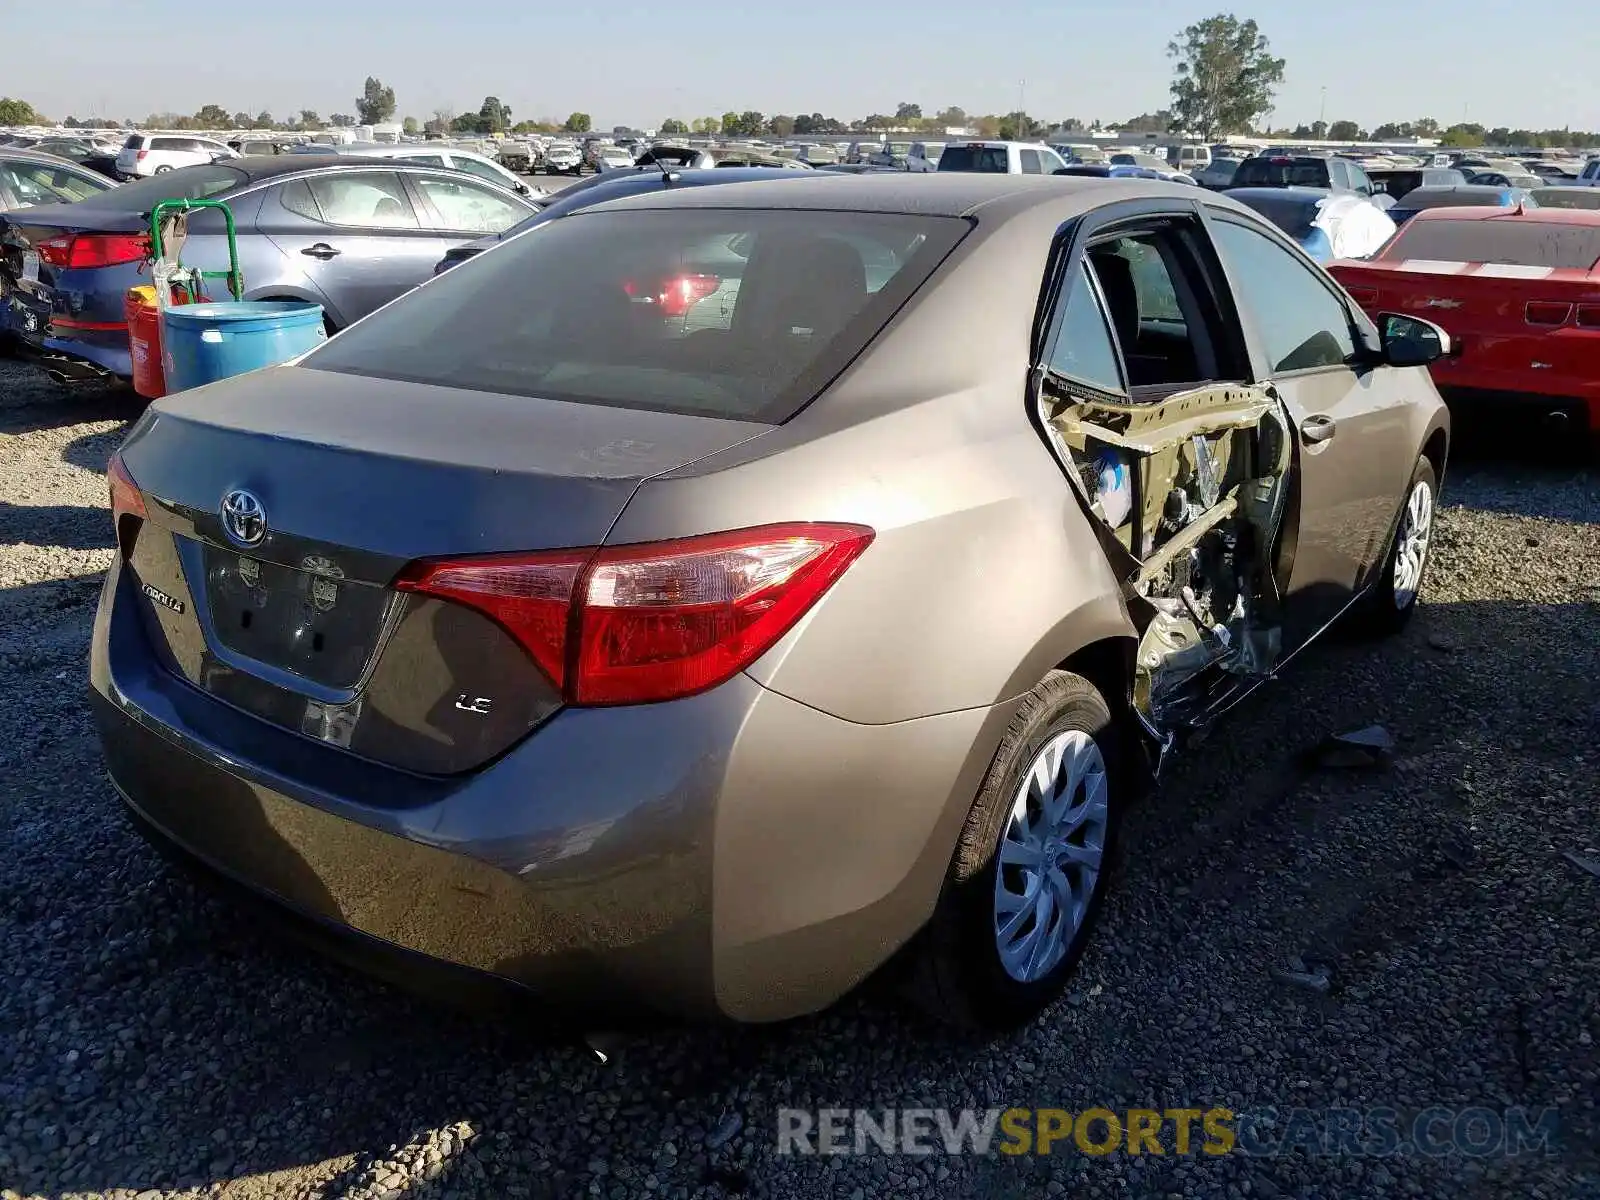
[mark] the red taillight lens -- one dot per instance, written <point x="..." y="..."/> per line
<point x="654" y="621"/>
<point x="126" y="499"/>
<point x="80" y="250"/>
<point x="673" y="618"/>
<point x="529" y="594"/>
<point x="141" y="155"/>
<point x="1589" y="316"/>
<point x="1546" y="312"/>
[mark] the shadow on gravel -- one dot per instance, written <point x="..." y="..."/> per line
<point x="38" y="403"/>
<point x="1432" y="890"/>
<point x="92" y="450"/>
<point x="62" y="526"/>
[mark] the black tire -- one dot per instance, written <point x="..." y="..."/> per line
<point x="162" y="170"/>
<point x="1380" y="612"/>
<point x="958" y="975"/>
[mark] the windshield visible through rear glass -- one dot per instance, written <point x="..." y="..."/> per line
<point x="186" y="183"/>
<point x="1515" y="240"/>
<point x="729" y="313"/>
<point x="990" y="159"/>
<point x="1266" y="172"/>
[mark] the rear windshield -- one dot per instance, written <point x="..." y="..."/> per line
<point x="732" y="313"/>
<point x="990" y="159"/>
<point x="32" y="183"/>
<point x="1293" y="216"/>
<point x="1517" y="240"/>
<point x="1271" y="172"/>
<point x="186" y="183"/>
<point x="134" y="142"/>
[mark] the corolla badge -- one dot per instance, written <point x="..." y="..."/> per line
<point x="244" y="520"/>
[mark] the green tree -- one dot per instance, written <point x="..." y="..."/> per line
<point x="1019" y="127"/>
<point x="578" y="122"/>
<point x="70" y="123"/>
<point x="706" y="125"/>
<point x="673" y="126"/>
<point x="493" y="116"/>
<point x="987" y="126"/>
<point x="309" y="119"/>
<point x="904" y="112"/>
<point x="409" y="125"/>
<point x="263" y="120"/>
<point x="241" y="120"/>
<point x="212" y="116"/>
<point x="955" y="115"/>
<point x="1427" y="127"/>
<point x="780" y="126"/>
<point x="342" y="120"/>
<point x="1345" y="131"/>
<point x="730" y="123"/>
<point x="19" y="112"/>
<point x="1389" y="130"/>
<point x="752" y="123"/>
<point x="1224" y="76"/>
<point x="376" y="103"/>
<point x="1466" y="135"/>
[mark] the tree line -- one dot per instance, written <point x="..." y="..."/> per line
<point x="1224" y="80"/>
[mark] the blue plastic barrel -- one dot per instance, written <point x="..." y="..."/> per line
<point x="202" y="343"/>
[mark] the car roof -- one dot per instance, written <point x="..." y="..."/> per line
<point x="27" y="154"/>
<point x="1307" y="194"/>
<point x="258" y="167"/>
<point x="947" y="194"/>
<point x="1539" y="216"/>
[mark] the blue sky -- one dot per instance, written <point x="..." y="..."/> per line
<point x="1377" y="59"/>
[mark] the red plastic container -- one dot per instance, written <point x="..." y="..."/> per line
<point x="144" y="341"/>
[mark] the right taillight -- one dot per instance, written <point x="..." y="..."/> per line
<point x="126" y="499"/>
<point x="141" y="154"/>
<point x="653" y="621"/>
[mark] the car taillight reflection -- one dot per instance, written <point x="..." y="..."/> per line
<point x="675" y="295"/>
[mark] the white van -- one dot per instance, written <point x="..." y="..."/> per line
<point x="151" y="154"/>
<point x="1189" y="158"/>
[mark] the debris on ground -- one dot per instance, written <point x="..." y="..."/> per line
<point x="1314" y="977"/>
<point x="1583" y="864"/>
<point x="1359" y="749"/>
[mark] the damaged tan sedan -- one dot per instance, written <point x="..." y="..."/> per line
<point x="749" y="582"/>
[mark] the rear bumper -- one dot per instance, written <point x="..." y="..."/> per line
<point x="734" y="855"/>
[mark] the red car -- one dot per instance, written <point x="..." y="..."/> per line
<point x="1519" y="293"/>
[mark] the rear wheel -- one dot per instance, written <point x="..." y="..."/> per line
<point x="1031" y="866"/>
<point x="1388" y="607"/>
<point x="162" y="170"/>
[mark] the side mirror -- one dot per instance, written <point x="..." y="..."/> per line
<point x="1411" y="341"/>
<point x="523" y="189"/>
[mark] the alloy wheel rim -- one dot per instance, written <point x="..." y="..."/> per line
<point x="1411" y="544"/>
<point x="1051" y="854"/>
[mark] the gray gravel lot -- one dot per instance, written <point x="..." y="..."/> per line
<point x="154" y="1042"/>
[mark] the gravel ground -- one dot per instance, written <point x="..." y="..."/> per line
<point x="154" y="1043"/>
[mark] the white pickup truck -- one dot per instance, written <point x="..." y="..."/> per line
<point x="1000" y="158"/>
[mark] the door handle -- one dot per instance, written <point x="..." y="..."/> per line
<point x="1318" y="429"/>
<point x="321" y="250"/>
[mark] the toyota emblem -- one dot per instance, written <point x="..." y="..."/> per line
<point x="244" y="520"/>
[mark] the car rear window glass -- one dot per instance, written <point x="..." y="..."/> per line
<point x="185" y="183"/>
<point x="1291" y="214"/>
<point x="729" y="313"/>
<point x="1272" y="172"/>
<point x="134" y="142"/>
<point x="37" y="183"/>
<point x="991" y="159"/>
<point x="1520" y="241"/>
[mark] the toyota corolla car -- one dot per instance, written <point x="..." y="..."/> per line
<point x="686" y="607"/>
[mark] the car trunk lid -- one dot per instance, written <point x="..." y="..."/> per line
<point x="282" y="506"/>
